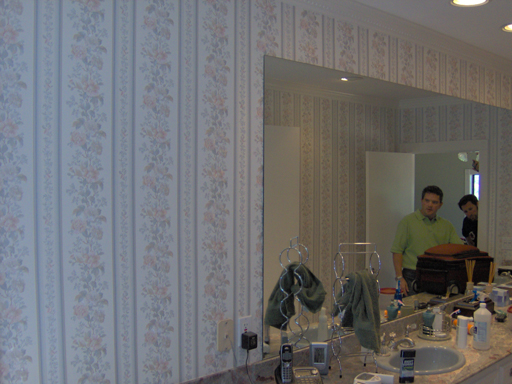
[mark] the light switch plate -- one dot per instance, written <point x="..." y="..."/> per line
<point x="225" y="333"/>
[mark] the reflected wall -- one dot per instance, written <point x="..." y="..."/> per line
<point x="336" y="131"/>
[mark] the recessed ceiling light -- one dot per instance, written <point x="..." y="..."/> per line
<point x="469" y="3"/>
<point x="351" y="78"/>
<point x="507" y="28"/>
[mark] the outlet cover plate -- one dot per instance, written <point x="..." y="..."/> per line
<point x="225" y="331"/>
<point x="244" y="325"/>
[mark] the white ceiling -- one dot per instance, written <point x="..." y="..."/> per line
<point x="478" y="26"/>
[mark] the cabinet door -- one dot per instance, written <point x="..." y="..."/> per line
<point x="506" y="372"/>
<point x="489" y="375"/>
<point x="498" y="373"/>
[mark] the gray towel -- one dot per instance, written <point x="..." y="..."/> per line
<point x="361" y="304"/>
<point x="312" y="295"/>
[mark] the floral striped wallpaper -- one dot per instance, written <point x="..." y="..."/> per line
<point x="131" y="171"/>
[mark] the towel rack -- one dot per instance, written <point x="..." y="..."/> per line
<point x="302" y="253"/>
<point x="373" y="262"/>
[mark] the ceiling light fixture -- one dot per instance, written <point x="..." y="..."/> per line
<point x="351" y="78"/>
<point x="507" y="28"/>
<point x="469" y="3"/>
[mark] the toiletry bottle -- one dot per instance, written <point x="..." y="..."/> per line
<point x="428" y="317"/>
<point x="407" y="365"/>
<point x="469" y="288"/>
<point x="438" y="319"/>
<point x="322" y="326"/>
<point x="398" y="292"/>
<point x="482" y="329"/>
<point x="392" y="310"/>
<point x="462" y="331"/>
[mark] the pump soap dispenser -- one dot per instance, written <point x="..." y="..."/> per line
<point x="428" y="317"/>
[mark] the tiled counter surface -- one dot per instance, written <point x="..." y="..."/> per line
<point x="501" y="347"/>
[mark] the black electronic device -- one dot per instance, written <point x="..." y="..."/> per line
<point x="286" y="363"/>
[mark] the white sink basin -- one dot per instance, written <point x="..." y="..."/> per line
<point x="430" y="360"/>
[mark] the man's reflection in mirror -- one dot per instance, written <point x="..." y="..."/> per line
<point x="469" y="205"/>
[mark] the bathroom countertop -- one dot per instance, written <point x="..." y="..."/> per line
<point x="262" y="372"/>
<point x="476" y="360"/>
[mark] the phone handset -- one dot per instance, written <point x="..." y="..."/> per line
<point x="286" y="363"/>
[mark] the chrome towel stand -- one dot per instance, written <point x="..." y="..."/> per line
<point x="369" y="251"/>
<point x="302" y="253"/>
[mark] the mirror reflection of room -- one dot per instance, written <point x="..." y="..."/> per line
<point x="459" y="177"/>
<point x="328" y="133"/>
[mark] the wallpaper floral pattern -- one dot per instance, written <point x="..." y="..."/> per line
<point x="346" y="38"/>
<point x="378" y="52"/>
<point x="158" y="284"/>
<point x="131" y="170"/>
<point x="14" y="255"/>
<point x="214" y="187"/>
<point x="86" y="192"/>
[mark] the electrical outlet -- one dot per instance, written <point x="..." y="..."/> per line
<point x="225" y="330"/>
<point x="244" y="325"/>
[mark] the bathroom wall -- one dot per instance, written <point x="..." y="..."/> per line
<point x="131" y="169"/>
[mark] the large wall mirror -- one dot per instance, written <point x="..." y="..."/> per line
<point x="318" y="130"/>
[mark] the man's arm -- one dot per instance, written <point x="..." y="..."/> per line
<point x="397" y="262"/>
<point x="454" y="237"/>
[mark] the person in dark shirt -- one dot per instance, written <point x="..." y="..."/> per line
<point x="469" y="205"/>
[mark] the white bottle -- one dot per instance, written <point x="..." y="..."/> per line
<point x="322" y="326"/>
<point x="462" y="331"/>
<point x="438" y="319"/>
<point x="482" y="329"/>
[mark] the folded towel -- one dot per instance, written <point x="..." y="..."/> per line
<point x="360" y="301"/>
<point x="312" y="295"/>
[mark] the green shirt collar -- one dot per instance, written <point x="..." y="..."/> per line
<point x="421" y="217"/>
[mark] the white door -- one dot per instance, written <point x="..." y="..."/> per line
<point x="389" y="197"/>
<point x="280" y="199"/>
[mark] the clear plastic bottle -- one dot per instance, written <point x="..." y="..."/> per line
<point x="482" y="329"/>
<point x="323" y="331"/>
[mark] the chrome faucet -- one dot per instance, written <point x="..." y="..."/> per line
<point x="394" y="344"/>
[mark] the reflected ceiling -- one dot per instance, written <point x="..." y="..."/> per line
<point x="286" y="72"/>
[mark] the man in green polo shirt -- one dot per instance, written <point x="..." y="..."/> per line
<point x="418" y="232"/>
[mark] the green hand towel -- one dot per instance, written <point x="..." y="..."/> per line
<point x="361" y="304"/>
<point x="312" y="295"/>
